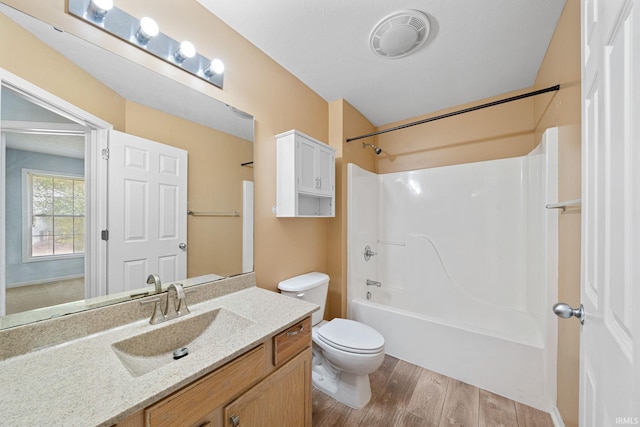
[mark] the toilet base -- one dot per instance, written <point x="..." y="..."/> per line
<point x="351" y="389"/>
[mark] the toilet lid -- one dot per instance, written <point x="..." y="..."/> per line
<point x="351" y="336"/>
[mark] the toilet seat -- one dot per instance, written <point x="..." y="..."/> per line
<point x="351" y="336"/>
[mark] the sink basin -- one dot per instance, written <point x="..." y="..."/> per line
<point x="151" y="350"/>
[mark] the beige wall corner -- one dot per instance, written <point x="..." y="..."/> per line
<point x="561" y="65"/>
<point x="344" y="122"/>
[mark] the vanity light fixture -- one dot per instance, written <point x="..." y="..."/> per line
<point x="146" y="35"/>
<point x="148" y="29"/>
<point x="98" y="9"/>
<point x="215" y="67"/>
<point x="185" y="51"/>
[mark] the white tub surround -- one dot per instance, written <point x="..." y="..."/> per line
<point x="466" y="257"/>
<point x="81" y="381"/>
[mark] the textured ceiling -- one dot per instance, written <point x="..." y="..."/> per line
<point x="476" y="49"/>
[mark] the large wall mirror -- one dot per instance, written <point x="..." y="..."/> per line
<point x="46" y="153"/>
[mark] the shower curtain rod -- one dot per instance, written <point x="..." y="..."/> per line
<point x="455" y="113"/>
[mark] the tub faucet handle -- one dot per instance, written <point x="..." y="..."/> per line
<point x="368" y="253"/>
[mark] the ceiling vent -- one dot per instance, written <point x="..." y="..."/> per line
<point x="399" y="34"/>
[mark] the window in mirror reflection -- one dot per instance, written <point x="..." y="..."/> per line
<point x="54" y="225"/>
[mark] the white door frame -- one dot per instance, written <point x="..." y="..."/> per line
<point x="95" y="181"/>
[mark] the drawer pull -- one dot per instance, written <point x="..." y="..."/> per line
<point x="235" y="420"/>
<point x="292" y="333"/>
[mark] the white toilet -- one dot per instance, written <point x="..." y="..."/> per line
<point x="345" y="352"/>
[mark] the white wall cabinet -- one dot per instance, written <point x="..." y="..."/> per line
<point x="305" y="176"/>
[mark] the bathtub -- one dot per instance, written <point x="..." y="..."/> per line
<point x="493" y="362"/>
<point x="466" y="260"/>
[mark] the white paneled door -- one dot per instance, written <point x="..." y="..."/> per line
<point x="610" y="276"/>
<point x="147" y="214"/>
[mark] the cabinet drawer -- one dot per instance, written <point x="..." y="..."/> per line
<point x="291" y="341"/>
<point x="192" y="403"/>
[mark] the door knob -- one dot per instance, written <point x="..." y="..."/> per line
<point x="182" y="246"/>
<point x="565" y="311"/>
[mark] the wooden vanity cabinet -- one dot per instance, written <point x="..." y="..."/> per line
<point x="281" y="400"/>
<point x="269" y="385"/>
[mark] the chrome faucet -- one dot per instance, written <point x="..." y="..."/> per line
<point x="154" y="279"/>
<point x="173" y="307"/>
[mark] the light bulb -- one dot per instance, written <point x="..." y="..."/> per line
<point x="185" y="51"/>
<point x="147" y="30"/>
<point x="216" y="66"/>
<point x="98" y="9"/>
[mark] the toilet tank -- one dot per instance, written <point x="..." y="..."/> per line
<point x="311" y="287"/>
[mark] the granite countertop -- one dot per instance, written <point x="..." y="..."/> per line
<point x="82" y="382"/>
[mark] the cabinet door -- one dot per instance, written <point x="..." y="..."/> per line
<point x="283" y="399"/>
<point x="306" y="174"/>
<point x="324" y="169"/>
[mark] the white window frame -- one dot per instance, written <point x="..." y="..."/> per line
<point x="27" y="215"/>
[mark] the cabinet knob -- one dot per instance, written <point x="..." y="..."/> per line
<point x="235" y="420"/>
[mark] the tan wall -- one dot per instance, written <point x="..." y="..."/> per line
<point x="344" y="122"/>
<point x="68" y="82"/>
<point x="562" y="65"/>
<point x="253" y="83"/>
<point x="491" y="133"/>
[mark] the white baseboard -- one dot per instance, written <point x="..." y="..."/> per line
<point x="556" y="417"/>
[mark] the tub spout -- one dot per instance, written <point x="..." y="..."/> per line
<point x="373" y="283"/>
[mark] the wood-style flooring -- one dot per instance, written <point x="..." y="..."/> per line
<point x="405" y="395"/>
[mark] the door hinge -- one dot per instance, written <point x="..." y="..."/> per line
<point x="105" y="153"/>
<point x="105" y="235"/>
